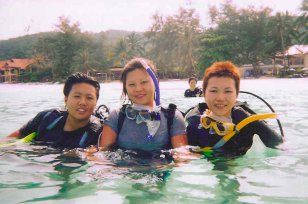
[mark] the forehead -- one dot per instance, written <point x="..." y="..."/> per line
<point x="221" y="82"/>
<point x="137" y="74"/>
<point x="83" y="88"/>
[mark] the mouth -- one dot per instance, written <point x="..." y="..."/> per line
<point x="220" y="106"/>
<point x="81" y="110"/>
<point x="139" y="96"/>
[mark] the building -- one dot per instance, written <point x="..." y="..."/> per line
<point x="297" y="56"/>
<point x="294" y="58"/>
<point x="247" y="70"/>
<point x="10" y="70"/>
<point x="115" y="73"/>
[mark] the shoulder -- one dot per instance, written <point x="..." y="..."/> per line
<point x="116" y="112"/>
<point x="187" y="92"/>
<point x="196" y="110"/>
<point x="114" y="117"/>
<point x="239" y="113"/>
<point x="171" y="111"/>
<point x="50" y="113"/>
<point x="55" y="111"/>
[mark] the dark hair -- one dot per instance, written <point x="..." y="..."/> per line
<point x="78" y="78"/>
<point x="192" y="78"/>
<point x="132" y="65"/>
<point x="222" y="69"/>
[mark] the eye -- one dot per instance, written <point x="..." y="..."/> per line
<point x="76" y="96"/>
<point x="144" y="82"/>
<point x="90" y="98"/>
<point x="228" y="91"/>
<point x="213" y="91"/>
<point x="131" y="85"/>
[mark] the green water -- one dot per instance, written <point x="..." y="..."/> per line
<point x="39" y="174"/>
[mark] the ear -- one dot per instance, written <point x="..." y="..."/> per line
<point x="65" y="99"/>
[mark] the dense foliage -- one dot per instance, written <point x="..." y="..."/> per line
<point x="178" y="44"/>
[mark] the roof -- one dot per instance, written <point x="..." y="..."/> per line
<point x="19" y="63"/>
<point x="2" y="63"/>
<point x="297" y="50"/>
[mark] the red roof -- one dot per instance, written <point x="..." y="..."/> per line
<point x="16" y="63"/>
<point x="2" y="63"/>
<point x="19" y="63"/>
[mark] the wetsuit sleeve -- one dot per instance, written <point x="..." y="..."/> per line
<point x="193" y="132"/>
<point x="32" y="125"/>
<point x="269" y="137"/>
<point x="112" y="120"/>
<point x="178" y="126"/>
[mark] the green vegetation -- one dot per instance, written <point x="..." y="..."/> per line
<point x="177" y="44"/>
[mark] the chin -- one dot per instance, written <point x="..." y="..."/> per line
<point x="221" y="113"/>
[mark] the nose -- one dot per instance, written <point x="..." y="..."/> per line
<point x="82" y="101"/>
<point x="138" y="87"/>
<point x="220" y="96"/>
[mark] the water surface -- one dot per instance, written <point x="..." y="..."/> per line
<point x="34" y="173"/>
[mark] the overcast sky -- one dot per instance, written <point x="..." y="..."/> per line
<point x="22" y="17"/>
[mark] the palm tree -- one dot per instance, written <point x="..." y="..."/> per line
<point x="301" y="24"/>
<point x="121" y="52"/>
<point x="135" y="45"/>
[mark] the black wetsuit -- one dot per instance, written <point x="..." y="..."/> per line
<point x="49" y="126"/>
<point x="194" y="93"/>
<point x="240" y="143"/>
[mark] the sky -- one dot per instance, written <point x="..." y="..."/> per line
<point x="23" y="17"/>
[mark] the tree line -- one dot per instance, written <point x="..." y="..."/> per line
<point x="178" y="44"/>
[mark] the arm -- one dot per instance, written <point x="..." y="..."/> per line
<point x="269" y="137"/>
<point x="109" y="135"/>
<point x="28" y="128"/>
<point x="178" y="131"/>
<point x="15" y="134"/>
<point x="178" y="141"/>
<point x="107" y="139"/>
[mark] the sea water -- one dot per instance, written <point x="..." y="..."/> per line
<point x="39" y="174"/>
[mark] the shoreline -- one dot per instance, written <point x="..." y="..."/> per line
<point x="161" y="80"/>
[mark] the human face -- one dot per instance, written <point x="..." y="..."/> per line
<point x="140" y="87"/>
<point x="220" y="95"/>
<point x="192" y="84"/>
<point x="81" y="101"/>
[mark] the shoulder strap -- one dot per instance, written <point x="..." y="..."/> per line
<point x="121" y="118"/>
<point x="202" y="107"/>
<point x="83" y="139"/>
<point x="245" y="106"/>
<point x="52" y="122"/>
<point x="48" y="122"/>
<point x="169" y="114"/>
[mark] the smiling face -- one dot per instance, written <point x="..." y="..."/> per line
<point x="220" y="95"/>
<point x="81" y="102"/>
<point x="140" y="87"/>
